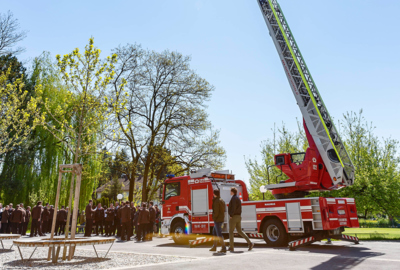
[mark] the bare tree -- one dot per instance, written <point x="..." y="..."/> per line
<point x="10" y="34"/>
<point x="159" y="105"/>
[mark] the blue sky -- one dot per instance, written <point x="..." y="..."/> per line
<point x="350" y="46"/>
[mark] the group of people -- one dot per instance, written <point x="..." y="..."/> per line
<point x="16" y="220"/>
<point x="124" y="220"/>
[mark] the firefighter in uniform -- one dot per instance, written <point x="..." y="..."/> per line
<point x="125" y="213"/>
<point x="62" y="216"/>
<point x="36" y="215"/>
<point x="4" y="220"/>
<point x="99" y="219"/>
<point x="109" y="219"/>
<point x="26" y="220"/>
<point x="89" y="218"/>
<point x="143" y="222"/>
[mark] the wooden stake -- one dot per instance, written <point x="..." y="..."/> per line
<point x="78" y="173"/>
<point x="53" y="226"/>
<point x="68" y="215"/>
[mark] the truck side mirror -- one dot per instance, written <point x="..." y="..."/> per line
<point x="279" y="160"/>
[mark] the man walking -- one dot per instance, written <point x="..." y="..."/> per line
<point x="89" y="219"/>
<point x="218" y="215"/>
<point x="235" y="220"/>
<point x="36" y="215"/>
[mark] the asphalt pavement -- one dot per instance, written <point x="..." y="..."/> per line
<point x="318" y="256"/>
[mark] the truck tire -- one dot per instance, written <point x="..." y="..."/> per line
<point x="274" y="233"/>
<point x="178" y="233"/>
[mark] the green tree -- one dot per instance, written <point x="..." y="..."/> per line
<point x="283" y="141"/>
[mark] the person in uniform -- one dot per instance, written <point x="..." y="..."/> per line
<point x="36" y="215"/>
<point x="21" y="225"/>
<point x="51" y="216"/>
<point x="89" y="211"/>
<point x="10" y="211"/>
<point x="45" y="219"/>
<point x="16" y="219"/>
<point x="125" y="214"/>
<point x="99" y="219"/>
<point x="117" y="220"/>
<point x="135" y="222"/>
<point x="133" y="212"/>
<point x="4" y="220"/>
<point x="109" y="219"/>
<point x="150" y="229"/>
<point x="26" y="220"/>
<point x="61" y="220"/>
<point x="143" y="222"/>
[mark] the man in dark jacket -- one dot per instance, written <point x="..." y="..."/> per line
<point x="62" y="216"/>
<point x="99" y="219"/>
<point x="17" y="218"/>
<point x="150" y="228"/>
<point x="109" y="219"/>
<point x="36" y="215"/>
<point x="26" y="220"/>
<point x="125" y="213"/>
<point x="117" y="220"/>
<point x="51" y="216"/>
<point x="133" y="212"/>
<point x="218" y="215"/>
<point x="4" y="220"/>
<point x="143" y="222"/>
<point x="235" y="220"/>
<point x="45" y="218"/>
<point x="10" y="211"/>
<point x="89" y="211"/>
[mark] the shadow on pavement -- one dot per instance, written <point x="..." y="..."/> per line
<point x="78" y="261"/>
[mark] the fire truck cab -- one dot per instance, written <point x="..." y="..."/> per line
<point x="187" y="211"/>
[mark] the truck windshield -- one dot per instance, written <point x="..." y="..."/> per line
<point x="171" y="190"/>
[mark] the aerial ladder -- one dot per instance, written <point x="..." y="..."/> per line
<point x="326" y="164"/>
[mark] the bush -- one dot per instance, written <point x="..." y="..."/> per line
<point x="380" y="223"/>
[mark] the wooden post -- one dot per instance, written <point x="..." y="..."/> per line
<point x="53" y="226"/>
<point x="78" y="172"/>
<point x="68" y="215"/>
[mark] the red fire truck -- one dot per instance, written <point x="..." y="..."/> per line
<point x="292" y="216"/>
<point x="187" y="202"/>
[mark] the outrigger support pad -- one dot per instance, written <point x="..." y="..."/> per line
<point x="301" y="242"/>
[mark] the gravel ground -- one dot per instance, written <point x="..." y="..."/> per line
<point x="84" y="259"/>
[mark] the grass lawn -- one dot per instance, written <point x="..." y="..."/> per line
<point x="374" y="233"/>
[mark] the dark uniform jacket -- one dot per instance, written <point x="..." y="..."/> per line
<point x="133" y="212"/>
<point x="99" y="214"/>
<point x="144" y="216"/>
<point x="37" y="212"/>
<point x="89" y="212"/>
<point x="45" y="214"/>
<point x="152" y="212"/>
<point x="110" y="214"/>
<point x="27" y="215"/>
<point x="218" y="208"/>
<point x="51" y="213"/>
<point x="10" y="211"/>
<point x="235" y="206"/>
<point x="125" y="213"/>
<point x="62" y="215"/>
<point x="17" y="216"/>
<point x="4" y="218"/>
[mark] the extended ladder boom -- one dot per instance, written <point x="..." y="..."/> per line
<point x="315" y="113"/>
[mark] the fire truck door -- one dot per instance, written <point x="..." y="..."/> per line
<point x="200" y="215"/>
<point x="293" y="214"/>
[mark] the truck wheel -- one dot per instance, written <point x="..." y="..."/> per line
<point x="274" y="233"/>
<point x="178" y="233"/>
